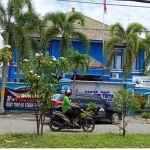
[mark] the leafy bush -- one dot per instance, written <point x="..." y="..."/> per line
<point x="145" y="115"/>
<point x="141" y="99"/>
<point x="125" y="100"/>
<point x="147" y="108"/>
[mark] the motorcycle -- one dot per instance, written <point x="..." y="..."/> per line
<point x="60" y="121"/>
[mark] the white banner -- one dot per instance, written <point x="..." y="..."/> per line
<point x="141" y="81"/>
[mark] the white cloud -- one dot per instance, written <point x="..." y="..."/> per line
<point x="114" y="14"/>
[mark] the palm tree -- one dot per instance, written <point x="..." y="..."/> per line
<point x="130" y="39"/>
<point x="8" y="16"/>
<point x="26" y="25"/>
<point x="64" y="26"/>
<point x="144" y="44"/>
<point x="78" y="61"/>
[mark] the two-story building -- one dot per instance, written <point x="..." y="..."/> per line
<point x="93" y="29"/>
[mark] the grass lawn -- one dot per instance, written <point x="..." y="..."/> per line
<point x="74" y="140"/>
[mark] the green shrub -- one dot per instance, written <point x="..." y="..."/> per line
<point x="145" y="115"/>
<point x="141" y="99"/>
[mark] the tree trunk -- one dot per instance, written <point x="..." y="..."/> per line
<point x="63" y="75"/>
<point x="42" y="120"/>
<point x="4" y="76"/>
<point x="74" y="79"/>
<point x="36" y="112"/>
<point x="124" y="126"/>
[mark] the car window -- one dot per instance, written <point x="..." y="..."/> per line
<point x="55" y="97"/>
<point x="61" y="97"/>
<point x="72" y="98"/>
<point x="97" y="101"/>
<point x="82" y="99"/>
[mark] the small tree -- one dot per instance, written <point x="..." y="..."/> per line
<point x="124" y="99"/>
<point x="5" y="56"/>
<point x="41" y="75"/>
<point x="90" y="110"/>
<point x="79" y="61"/>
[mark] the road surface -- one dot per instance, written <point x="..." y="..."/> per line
<point x="26" y="123"/>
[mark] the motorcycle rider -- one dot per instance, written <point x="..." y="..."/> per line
<point x="67" y="107"/>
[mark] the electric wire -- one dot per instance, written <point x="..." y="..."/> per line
<point x="97" y="3"/>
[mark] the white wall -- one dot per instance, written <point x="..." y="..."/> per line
<point x="103" y="89"/>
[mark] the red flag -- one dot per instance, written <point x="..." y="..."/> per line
<point x="105" y="8"/>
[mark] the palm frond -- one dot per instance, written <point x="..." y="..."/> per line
<point x="146" y="61"/>
<point x="135" y="28"/>
<point x="3" y="12"/>
<point x="76" y="16"/>
<point x="22" y="43"/>
<point x="110" y="59"/>
<point x="65" y="46"/>
<point x="110" y="44"/>
<point x="143" y="45"/>
<point x="129" y="60"/>
<point x="35" y="46"/>
<point x="28" y="18"/>
<point x="117" y="31"/>
<point x="58" y="19"/>
<point x="50" y="33"/>
<point x="83" y="38"/>
<point x="132" y="42"/>
<point x="18" y="5"/>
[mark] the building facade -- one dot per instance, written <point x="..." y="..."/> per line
<point x="95" y="36"/>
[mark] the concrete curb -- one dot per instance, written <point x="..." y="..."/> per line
<point x="4" y="116"/>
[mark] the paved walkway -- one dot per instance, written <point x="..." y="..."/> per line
<point x="27" y="123"/>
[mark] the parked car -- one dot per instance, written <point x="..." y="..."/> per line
<point x="105" y="111"/>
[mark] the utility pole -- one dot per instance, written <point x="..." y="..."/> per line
<point x="104" y="11"/>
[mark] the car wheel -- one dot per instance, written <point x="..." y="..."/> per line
<point x="114" y="118"/>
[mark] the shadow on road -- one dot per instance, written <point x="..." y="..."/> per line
<point x="102" y="123"/>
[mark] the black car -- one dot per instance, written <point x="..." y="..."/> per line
<point x="104" y="109"/>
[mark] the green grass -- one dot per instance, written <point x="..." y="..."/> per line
<point x="74" y="140"/>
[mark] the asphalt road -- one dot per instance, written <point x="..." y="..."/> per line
<point x="26" y="123"/>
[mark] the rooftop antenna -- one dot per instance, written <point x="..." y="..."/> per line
<point x="129" y="19"/>
<point x="68" y="6"/>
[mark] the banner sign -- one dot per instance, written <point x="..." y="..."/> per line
<point x="18" y="99"/>
<point x="141" y="81"/>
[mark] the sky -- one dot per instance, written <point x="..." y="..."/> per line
<point x="122" y="14"/>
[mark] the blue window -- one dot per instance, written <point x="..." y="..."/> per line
<point x="117" y="62"/>
<point x="134" y="66"/>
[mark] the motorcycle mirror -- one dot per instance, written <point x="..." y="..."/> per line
<point x="81" y="109"/>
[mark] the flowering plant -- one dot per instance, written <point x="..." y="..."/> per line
<point x="41" y="74"/>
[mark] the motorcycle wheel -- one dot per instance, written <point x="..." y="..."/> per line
<point x="53" y="127"/>
<point x="90" y="126"/>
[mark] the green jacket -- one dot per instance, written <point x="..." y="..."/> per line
<point x="66" y="104"/>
